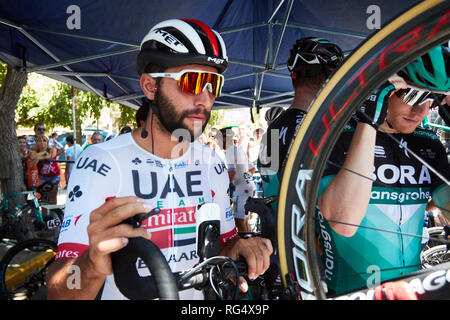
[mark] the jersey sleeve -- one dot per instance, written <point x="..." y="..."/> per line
<point x="94" y="178"/>
<point x="220" y="190"/>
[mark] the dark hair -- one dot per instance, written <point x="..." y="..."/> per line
<point x="315" y="81"/>
<point x="70" y="139"/>
<point x="125" y="129"/>
<point x="96" y="133"/>
<point x="40" y="123"/>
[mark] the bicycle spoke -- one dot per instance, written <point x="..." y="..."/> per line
<point x="443" y="241"/>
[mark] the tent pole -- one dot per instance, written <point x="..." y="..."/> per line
<point x="73" y="119"/>
<point x="283" y="28"/>
<point x="82" y="59"/>
<point x="275" y="12"/>
<point x="49" y="53"/>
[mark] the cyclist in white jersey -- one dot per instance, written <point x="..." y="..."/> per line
<point x="157" y="165"/>
<point x="240" y="171"/>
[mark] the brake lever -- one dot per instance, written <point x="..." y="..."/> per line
<point x="136" y="220"/>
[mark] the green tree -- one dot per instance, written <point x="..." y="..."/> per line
<point x="57" y="109"/>
<point x="12" y="84"/>
<point x="127" y="116"/>
<point x="3" y="69"/>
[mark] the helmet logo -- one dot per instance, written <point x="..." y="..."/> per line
<point x="216" y="60"/>
<point x="172" y="42"/>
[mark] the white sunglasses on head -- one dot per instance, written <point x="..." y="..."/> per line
<point x="416" y="96"/>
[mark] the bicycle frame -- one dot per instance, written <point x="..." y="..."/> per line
<point x="427" y="124"/>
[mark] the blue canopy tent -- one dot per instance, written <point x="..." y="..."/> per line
<point x="93" y="44"/>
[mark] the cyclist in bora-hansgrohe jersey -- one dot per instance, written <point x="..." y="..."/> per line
<point x="311" y="61"/>
<point x="370" y="223"/>
<point x="157" y="165"/>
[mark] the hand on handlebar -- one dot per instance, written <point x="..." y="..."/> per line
<point x="106" y="232"/>
<point x="256" y="251"/>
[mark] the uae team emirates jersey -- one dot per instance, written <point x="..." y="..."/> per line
<point x="119" y="168"/>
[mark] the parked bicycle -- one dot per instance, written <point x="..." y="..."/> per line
<point x="23" y="269"/>
<point x="33" y="218"/>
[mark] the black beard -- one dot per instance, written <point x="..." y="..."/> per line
<point x="171" y="120"/>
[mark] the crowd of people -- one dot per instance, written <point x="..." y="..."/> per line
<point x="40" y="158"/>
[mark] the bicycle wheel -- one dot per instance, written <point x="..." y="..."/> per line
<point x="28" y="223"/>
<point x="434" y="256"/>
<point x="23" y="269"/>
<point x="405" y="38"/>
<point x="436" y="235"/>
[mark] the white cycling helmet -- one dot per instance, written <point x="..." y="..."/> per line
<point x="178" y="42"/>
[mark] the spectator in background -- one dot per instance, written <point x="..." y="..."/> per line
<point x="22" y="143"/>
<point x="124" y="130"/>
<point x="253" y="146"/>
<point x="243" y="139"/>
<point x="202" y="139"/>
<point x="97" y="137"/>
<point x="72" y="153"/>
<point x="48" y="171"/>
<point x="39" y="129"/>
<point x="53" y="142"/>
<point x="213" y="143"/>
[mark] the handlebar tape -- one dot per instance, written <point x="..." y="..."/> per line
<point x="161" y="284"/>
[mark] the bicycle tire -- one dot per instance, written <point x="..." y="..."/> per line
<point x="435" y="233"/>
<point x="27" y="222"/>
<point x="10" y="229"/>
<point x="406" y="37"/>
<point x="40" y="254"/>
<point x="430" y="255"/>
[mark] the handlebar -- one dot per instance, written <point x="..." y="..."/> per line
<point x="160" y="285"/>
<point x="165" y="285"/>
<point x="218" y="267"/>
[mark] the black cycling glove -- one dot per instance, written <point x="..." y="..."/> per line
<point x="374" y="109"/>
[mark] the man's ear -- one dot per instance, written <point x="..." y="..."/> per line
<point x="148" y="85"/>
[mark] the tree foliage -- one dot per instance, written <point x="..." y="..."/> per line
<point x="3" y="70"/>
<point x="51" y="103"/>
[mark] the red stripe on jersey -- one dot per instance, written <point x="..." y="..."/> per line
<point x="70" y="250"/>
<point x="209" y="33"/>
<point x="224" y="238"/>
